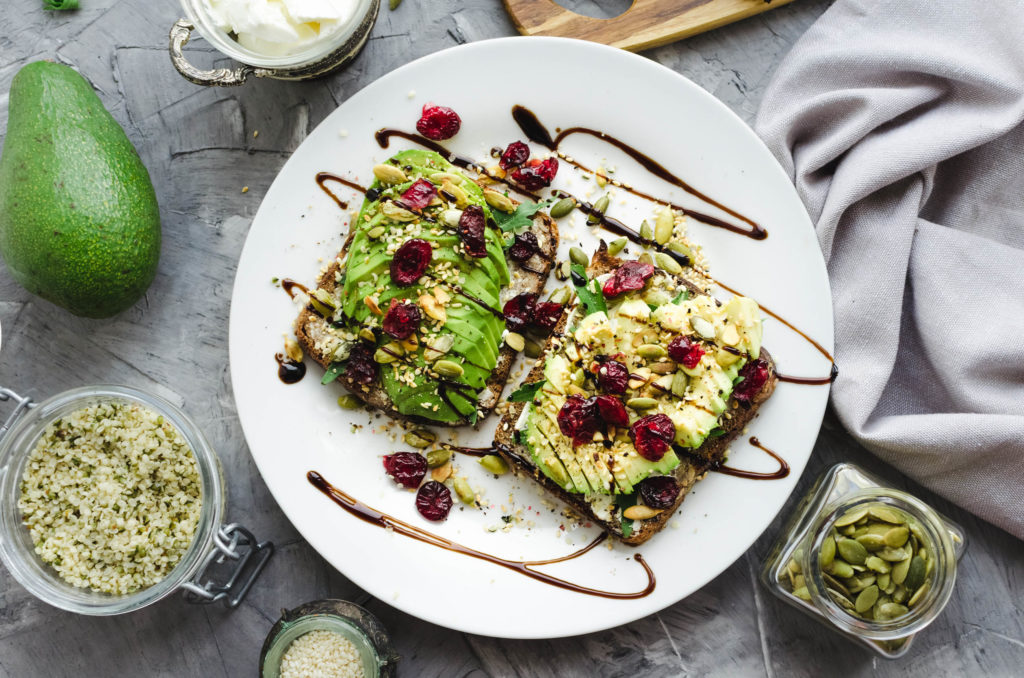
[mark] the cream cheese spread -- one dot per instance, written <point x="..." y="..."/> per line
<point x="281" y="27"/>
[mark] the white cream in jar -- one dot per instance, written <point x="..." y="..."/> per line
<point x="281" y="27"/>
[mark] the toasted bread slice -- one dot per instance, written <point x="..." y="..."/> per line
<point x="693" y="467"/>
<point x="311" y="328"/>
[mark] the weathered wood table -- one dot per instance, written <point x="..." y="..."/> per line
<point x="199" y="148"/>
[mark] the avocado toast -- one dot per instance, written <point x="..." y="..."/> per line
<point x="639" y="392"/>
<point x="408" y="316"/>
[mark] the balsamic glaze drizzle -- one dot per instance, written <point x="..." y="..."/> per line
<point x="523" y="567"/>
<point x="778" y="474"/>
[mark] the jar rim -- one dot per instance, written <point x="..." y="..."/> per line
<point x="198" y="13"/>
<point x="941" y="549"/>
<point x="16" y="549"/>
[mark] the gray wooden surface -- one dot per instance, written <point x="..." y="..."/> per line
<point x="199" y="147"/>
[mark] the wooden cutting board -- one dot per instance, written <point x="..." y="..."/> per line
<point x="647" y="23"/>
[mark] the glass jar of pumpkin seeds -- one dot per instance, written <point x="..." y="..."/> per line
<point x="864" y="558"/>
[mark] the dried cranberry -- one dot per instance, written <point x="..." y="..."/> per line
<point x="651" y="435"/>
<point x="438" y="122"/>
<point x="631" y="275"/>
<point x="612" y="377"/>
<point x="659" y="492"/>
<point x="536" y="174"/>
<point x="434" y="500"/>
<point x="519" y="311"/>
<point x="472" y="227"/>
<point x="407" y="468"/>
<point x="687" y="353"/>
<point x="419" y="195"/>
<point x="515" y="155"/>
<point x="612" y="410"/>
<point x="755" y="374"/>
<point x="579" y="419"/>
<point x="402" y="319"/>
<point x="547" y="315"/>
<point x="524" y="247"/>
<point x="410" y="261"/>
<point x="361" y="367"/>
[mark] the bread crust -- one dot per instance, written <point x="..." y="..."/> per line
<point x="528" y="276"/>
<point x="693" y="467"/>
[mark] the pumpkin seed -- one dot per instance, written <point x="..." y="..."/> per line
<point x="640" y="512"/>
<point x="665" y="367"/>
<point x="579" y="257"/>
<point x="579" y="377"/>
<point x="852" y="551"/>
<point x="562" y="208"/>
<point x="616" y="246"/>
<point x="900" y="570"/>
<point x="646" y="258"/>
<point x="667" y="263"/>
<point x="321" y="308"/>
<point x="663" y="225"/>
<point x="494" y="464"/>
<point x="859" y="568"/>
<point x="499" y="201"/>
<point x="842" y="569"/>
<point x="293" y="350"/>
<point x="651" y="351"/>
<point x="878" y="565"/>
<point x="600" y="207"/>
<point x="850" y="518"/>
<point x="641" y="403"/>
<point x="450" y="177"/>
<point x="438" y="457"/>
<point x="515" y="341"/>
<point x="836" y="584"/>
<point x="388" y="353"/>
<point x="923" y="552"/>
<point x="702" y="327"/>
<point x="915" y="573"/>
<point x="841" y="599"/>
<point x="375" y="232"/>
<point x="892" y="610"/>
<point x="464" y="491"/>
<point x="396" y="213"/>
<point x="646" y="231"/>
<point x="366" y="334"/>
<point x="872" y="542"/>
<point x="862" y="584"/>
<point x="897" y="536"/>
<point x="866" y="600"/>
<point x="900" y="594"/>
<point x="827" y="553"/>
<point x="884" y="580"/>
<point x="420" y="438"/>
<point x="802" y="594"/>
<point x="892" y="554"/>
<point x="799" y="581"/>
<point x="563" y="270"/>
<point x="533" y="349"/>
<point x="349" y="402"/>
<point x="446" y="368"/>
<point x="918" y="594"/>
<point x="389" y="174"/>
<point x="886" y="515"/>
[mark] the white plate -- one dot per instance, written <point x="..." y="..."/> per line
<point x="292" y="429"/>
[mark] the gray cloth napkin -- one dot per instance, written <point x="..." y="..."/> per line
<point x="900" y="121"/>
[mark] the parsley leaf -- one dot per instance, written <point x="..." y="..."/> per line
<point x="589" y="292"/>
<point x="716" y="432"/>
<point x="525" y="393"/>
<point x="624" y="501"/>
<point x="521" y="218"/>
<point x="60" y="4"/>
<point x="683" y="294"/>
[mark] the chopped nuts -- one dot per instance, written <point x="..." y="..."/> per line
<point x="433" y="308"/>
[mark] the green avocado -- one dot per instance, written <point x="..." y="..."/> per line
<point x="79" y="222"/>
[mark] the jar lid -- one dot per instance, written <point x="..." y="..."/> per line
<point x="354" y="623"/>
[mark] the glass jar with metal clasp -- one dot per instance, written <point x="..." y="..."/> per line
<point x="219" y="564"/>
<point x="318" y="57"/>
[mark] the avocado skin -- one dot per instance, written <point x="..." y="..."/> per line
<point x="79" y="221"/>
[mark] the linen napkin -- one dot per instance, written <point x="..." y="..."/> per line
<point x="900" y="121"/>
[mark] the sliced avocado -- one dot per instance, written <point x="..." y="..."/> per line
<point x="562" y="447"/>
<point x="593" y="460"/>
<point x="544" y="456"/>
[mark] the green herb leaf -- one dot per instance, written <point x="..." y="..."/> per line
<point x="716" y="432"/>
<point x="521" y="218"/>
<point x="333" y="372"/>
<point x="472" y="419"/>
<point x="525" y="393"/>
<point x="590" y="293"/>
<point x="393" y="4"/>
<point x="683" y="294"/>
<point x="60" y="4"/>
<point x="624" y="501"/>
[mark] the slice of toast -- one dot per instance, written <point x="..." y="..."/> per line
<point x="311" y="328"/>
<point x="694" y="465"/>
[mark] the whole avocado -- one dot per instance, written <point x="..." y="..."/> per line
<point x="79" y="222"/>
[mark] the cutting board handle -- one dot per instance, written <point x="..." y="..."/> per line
<point x="646" y="24"/>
